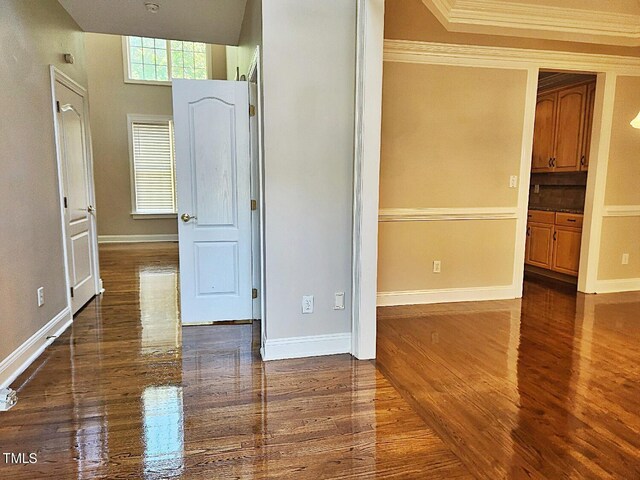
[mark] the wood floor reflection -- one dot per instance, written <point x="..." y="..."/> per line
<point x="546" y="387"/>
<point x="128" y="393"/>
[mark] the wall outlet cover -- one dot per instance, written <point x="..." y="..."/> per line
<point x="307" y="304"/>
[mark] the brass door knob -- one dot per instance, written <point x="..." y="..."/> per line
<point x="186" y="217"/>
<point x="91" y="209"/>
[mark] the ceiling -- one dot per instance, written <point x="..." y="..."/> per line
<point x="209" y="21"/>
<point x="608" y="22"/>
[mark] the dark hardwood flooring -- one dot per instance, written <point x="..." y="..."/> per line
<point x="546" y="387"/>
<point x="126" y="393"/>
<point x="543" y="387"/>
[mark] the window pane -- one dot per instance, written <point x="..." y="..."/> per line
<point x="145" y="56"/>
<point x="150" y="72"/>
<point x="137" y="71"/>
<point x="162" y="73"/>
<point x="188" y="60"/>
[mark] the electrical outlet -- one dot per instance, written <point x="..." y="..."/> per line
<point x="536" y="189"/>
<point x="437" y="266"/>
<point x="41" y="296"/>
<point x="513" y="181"/>
<point x="307" y="304"/>
<point x="339" y="301"/>
<point x="625" y="259"/>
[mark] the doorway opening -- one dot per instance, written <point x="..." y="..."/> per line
<point x="559" y="169"/>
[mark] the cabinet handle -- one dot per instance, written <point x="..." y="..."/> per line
<point x="555" y="236"/>
<point x="583" y="160"/>
<point x="528" y="231"/>
<point x="553" y="162"/>
<point x="573" y="220"/>
<point x="550" y="162"/>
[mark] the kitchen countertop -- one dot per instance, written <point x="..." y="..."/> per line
<point x="561" y="210"/>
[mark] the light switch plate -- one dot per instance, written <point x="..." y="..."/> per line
<point x="339" y="301"/>
<point x="513" y="181"/>
<point x="307" y="304"/>
<point x="625" y="259"/>
<point x="437" y="266"/>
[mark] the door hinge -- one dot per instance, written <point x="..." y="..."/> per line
<point x="71" y="292"/>
<point x="66" y="205"/>
<point x="58" y="106"/>
<point x="254" y="205"/>
<point x="254" y="293"/>
<point x="252" y="110"/>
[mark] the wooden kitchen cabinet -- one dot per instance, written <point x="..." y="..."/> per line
<point x="588" y="126"/>
<point x="562" y="123"/>
<point x="553" y="241"/>
<point x="539" y="246"/>
<point x="566" y="250"/>
<point x="544" y="130"/>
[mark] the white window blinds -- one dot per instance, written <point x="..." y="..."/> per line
<point x="153" y="167"/>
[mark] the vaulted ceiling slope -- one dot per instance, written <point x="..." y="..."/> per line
<point x="209" y="21"/>
<point x="607" y="22"/>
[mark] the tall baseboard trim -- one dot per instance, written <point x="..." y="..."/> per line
<point x="312" y="346"/>
<point x="18" y="361"/>
<point x="137" y="238"/>
<point x="446" y="295"/>
<point x="618" y="285"/>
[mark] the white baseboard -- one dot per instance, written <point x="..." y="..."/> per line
<point x="446" y="295"/>
<point x="312" y="346"/>
<point x="169" y="237"/>
<point x="18" y="361"/>
<point x="618" y="285"/>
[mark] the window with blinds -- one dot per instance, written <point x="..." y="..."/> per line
<point x="152" y="165"/>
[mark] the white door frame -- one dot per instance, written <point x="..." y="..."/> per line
<point x="254" y="74"/>
<point x="369" y="58"/>
<point x="366" y="176"/>
<point x="57" y="76"/>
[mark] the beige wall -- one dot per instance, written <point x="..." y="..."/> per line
<point x="623" y="172"/>
<point x="250" y="34"/>
<point x="451" y="138"/>
<point x="33" y="34"/>
<point x="474" y="253"/>
<point x="309" y="84"/>
<point x="622" y="234"/>
<point x="111" y="100"/>
<point x="412" y="20"/>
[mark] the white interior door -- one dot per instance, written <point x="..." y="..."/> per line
<point x="76" y="178"/>
<point x="211" y="122"/>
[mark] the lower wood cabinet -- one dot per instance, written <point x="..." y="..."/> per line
<point x="566" y="250"/>
<point x="539" y="249"/>
<point x="553" y="245"/>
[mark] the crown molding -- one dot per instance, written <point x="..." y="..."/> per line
<point x="536" y="21"/>
<point x="405" y="51"/>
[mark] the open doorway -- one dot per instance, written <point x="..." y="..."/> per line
<point x="559" y="169"/>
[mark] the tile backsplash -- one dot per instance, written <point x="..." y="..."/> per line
<point x="558" y="190"/>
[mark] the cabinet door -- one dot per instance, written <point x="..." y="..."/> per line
<point x="566" y="250"/>
<point x="588" y="125"/>
<point x="569" y="128"/>
<point x="540" y="248"/>
<point x="543" y="133"/>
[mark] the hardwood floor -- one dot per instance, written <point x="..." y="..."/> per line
<point x="545" y="387"/>
<point x="128" y="393"/>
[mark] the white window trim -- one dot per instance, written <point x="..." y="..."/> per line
<point x="127" y="72"/>
<point x="131" y="119"/>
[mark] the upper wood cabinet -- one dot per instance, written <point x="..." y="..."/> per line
<point x="562" y="124"/>
<point x="588" y="125"/>
<point x="544" y="132"/>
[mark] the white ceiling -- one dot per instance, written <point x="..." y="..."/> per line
<point x="209" y="21"/>
<point x="610" y="22"/>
